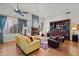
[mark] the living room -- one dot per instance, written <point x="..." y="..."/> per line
<point x="31" y="29"/>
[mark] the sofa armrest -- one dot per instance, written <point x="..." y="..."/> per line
<point x="32" y="46"/>
<point x="34" y="43"/>
<point x="53" y="40"/>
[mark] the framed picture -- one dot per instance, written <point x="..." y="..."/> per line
<point x="77" y="26"/>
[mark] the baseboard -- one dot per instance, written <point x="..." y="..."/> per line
<point x="9" y="37"/>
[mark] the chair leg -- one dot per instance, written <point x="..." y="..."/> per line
<point x="60" y="47"/>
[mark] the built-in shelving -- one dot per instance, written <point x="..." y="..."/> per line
<point x="61" y="26"/>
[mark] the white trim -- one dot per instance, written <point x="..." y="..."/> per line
<point x="9" y="37"/>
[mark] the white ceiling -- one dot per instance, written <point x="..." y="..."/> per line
<point x="45" y="9"/>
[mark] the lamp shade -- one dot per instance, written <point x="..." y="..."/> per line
<point x="73" y="28"/>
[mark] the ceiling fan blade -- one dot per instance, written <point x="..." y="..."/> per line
<point x="24" y="12"/>
<point x="21" y="14"/>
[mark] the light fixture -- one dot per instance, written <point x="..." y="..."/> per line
<point x="74" y="29"/>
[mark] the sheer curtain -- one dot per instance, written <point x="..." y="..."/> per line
<point x="21" y="23"/>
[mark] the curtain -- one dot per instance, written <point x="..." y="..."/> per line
<point x="35" y="21"/>
<point x="2" y="24"/>
<point x="21" y="22"/>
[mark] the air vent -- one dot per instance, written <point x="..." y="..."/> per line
<point x="67" y="12"/>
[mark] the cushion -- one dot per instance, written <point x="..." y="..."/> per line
<point x="24" y="41"/>
<point x="27" y="39"/>
<point x="35" y="38"/>
<point x="23" y="38"/>
<point x="18" y="36"/>
<point x="57" y="38"/>
<point x="30" y="37"/>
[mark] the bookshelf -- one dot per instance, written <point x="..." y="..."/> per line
<point x="62" y="26"/>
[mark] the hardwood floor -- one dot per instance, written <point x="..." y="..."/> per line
<point x="69" y="48"/>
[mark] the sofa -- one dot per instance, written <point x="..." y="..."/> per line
<point x="27" y="44"/>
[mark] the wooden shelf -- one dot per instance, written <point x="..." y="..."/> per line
<point x="61" y="27"/>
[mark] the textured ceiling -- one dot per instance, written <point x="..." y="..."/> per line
<point x="45" y="9"/>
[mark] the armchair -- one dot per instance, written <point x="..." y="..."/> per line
<point x="56" y="41"/>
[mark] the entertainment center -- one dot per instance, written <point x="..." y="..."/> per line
<point x="61" y="27"/>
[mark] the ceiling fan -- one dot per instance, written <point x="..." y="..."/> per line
<point x="18" y="11"/>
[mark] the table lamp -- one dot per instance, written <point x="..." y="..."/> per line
<point x="74" y="29"/>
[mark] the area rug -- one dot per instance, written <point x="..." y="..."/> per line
<point x="44" y="44"/>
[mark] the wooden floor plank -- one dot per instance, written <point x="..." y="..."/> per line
<point x="68" y="48"/>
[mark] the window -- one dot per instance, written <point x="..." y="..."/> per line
<point x="35" y="21"/>
<point x="21" y="23"/>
